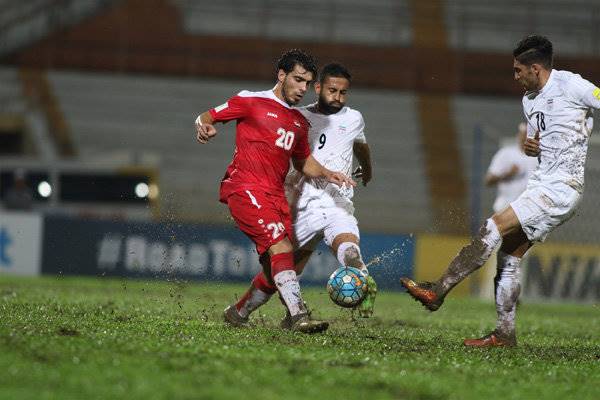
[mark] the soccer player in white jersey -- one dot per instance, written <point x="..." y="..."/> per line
<point x="323" y="211"/>
<point x="558" y="106"/>
<point x="510" y="170"/>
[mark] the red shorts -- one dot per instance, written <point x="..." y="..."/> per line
<point x="264" y="218"/>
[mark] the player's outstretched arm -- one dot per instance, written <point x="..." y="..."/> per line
<point x="362" y="152"/>
<point x="205" y="129"/>
<point x="313" y="169"/>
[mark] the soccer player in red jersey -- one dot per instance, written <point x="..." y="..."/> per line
<point x="269" y="132"/>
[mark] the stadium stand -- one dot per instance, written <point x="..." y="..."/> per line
<point x="11" y="99"/>
<point x="385" y="22"/>
<point x="408" y="68"/>
<point x="471" y="24"/>
<point x="573" y="26"/>
<point x="22" y="23"/>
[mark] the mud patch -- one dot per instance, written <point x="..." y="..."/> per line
<point x="66" y="331"/>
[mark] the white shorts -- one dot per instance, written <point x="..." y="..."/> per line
<point x="313" y="224"/>
<point x="541" y="208"/>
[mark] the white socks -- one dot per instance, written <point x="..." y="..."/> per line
<point x="507" y="292"/>
<point x="348" y="254"/>
<point x="289" y="289"/>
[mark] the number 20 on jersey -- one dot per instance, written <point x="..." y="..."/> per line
<point x="285" y="139"/>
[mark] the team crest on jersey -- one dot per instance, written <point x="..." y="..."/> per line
<point x="342" y="129"/>
<point x="550" y="104"/>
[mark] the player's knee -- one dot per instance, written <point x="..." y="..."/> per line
<point x="283" y="246"/>
<point x="348" y="254"/>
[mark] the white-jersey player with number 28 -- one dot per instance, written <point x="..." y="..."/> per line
<point x="322" y="211"/>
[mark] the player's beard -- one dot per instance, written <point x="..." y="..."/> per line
<point x="329" y="108"/>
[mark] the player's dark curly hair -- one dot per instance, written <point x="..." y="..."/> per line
<point x="534" y="49"/>
<point x="293" y="57"/>
<point x="335" y="70"/>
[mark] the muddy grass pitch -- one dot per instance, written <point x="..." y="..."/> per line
<point x="99" y="338"/>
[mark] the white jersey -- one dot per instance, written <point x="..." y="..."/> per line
<point x="331" y="138"/>
<point x="562" y="113"/>
<point x="502" y="163"/>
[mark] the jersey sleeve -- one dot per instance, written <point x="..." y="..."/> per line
<point x="235" y="108"/>
<point x="360" y="136"/>
<point x="585" y="92"/>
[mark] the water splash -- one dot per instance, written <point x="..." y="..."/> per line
<point x="388" y="255"/>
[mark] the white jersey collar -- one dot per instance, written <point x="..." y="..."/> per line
<point x="549" y="82"/>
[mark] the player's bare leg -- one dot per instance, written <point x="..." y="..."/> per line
<point x="468" y="260"/>
<point x="345" y="248"/>
<point x="507" y="290"/>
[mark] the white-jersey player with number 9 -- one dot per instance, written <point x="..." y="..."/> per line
<point x="323" y="211"/>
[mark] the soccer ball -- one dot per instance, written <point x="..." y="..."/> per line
<point x="347" y="286"/>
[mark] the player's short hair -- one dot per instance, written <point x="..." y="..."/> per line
<point x="534" y="49"/>
<point x="293" y="57"/>
<point x="335" y="70"/>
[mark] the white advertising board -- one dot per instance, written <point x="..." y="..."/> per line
<point x="20" y="243"/>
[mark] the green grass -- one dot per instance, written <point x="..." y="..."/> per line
<point x="67" y="338"/>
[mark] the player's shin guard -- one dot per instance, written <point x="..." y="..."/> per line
<point x="286" y="281"/>
<point x="348" y="254"/>
<point x="507" y="293"/>
<point x="470" y="258"/>
<point x="259" y="293"/>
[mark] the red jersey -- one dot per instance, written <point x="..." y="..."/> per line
<point x="268" y="133"/>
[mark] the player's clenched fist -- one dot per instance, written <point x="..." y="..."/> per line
<point x="204" y="131"/>
<point x="532" y="145"/>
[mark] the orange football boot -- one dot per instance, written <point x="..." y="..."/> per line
<point x="423" y="292"/>
<point x="492" y="339"/>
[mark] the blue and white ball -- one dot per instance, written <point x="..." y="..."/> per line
<point x="347" y="286"/>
